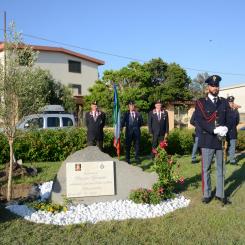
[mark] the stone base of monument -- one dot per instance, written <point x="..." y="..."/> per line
<point x="90" y="176"/>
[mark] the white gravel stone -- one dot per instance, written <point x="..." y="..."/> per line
<point x="115" y="210"/>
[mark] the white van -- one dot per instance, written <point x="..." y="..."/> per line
<point x="52" y="116"/>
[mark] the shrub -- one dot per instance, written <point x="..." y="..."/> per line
<point x="165" y="167"/>
<point x="241" y="141"/>
<point x="180" y="141"/>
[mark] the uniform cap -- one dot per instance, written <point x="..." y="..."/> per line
<point x="213" y="80"/>
<point x="230" y="98"/>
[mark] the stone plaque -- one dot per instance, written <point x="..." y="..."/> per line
<point x="86" y="179"/>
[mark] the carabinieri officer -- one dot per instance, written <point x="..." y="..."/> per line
<point x="212" y="118"/>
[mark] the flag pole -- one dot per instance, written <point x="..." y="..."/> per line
<point x="116" y="121"/>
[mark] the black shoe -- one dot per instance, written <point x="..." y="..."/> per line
<point x="223" y="200"/>
<point x="206" y="200"/>
<point x="233" y="163"/>
<point x="128" y="161"/>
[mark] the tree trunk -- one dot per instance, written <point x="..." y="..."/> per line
<point x="9" y="188"/>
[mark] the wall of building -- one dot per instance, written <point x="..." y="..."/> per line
<point x="57" y="64"/>
<point x="238" y="92"/>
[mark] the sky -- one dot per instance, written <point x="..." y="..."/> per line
<point x="198" y="35"/>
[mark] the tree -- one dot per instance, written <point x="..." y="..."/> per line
<point x="174" y="87"/>
<point x="143" y="83"/>
<point x="198" y="85"/>
<point x="16" y="88"/>
<point x="13" y="74"/>
<point x="42" y="85"/>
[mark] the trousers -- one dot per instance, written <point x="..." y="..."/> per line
<point x="207" y="156"/>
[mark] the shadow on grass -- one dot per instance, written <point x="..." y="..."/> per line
<point x="240" y="156"/>
<point x="235" y="181"/>
<point x="5" y="215"/>
<point x="193" y="182"/>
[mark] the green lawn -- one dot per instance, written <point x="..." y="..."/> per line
<point x="196" y="224"/>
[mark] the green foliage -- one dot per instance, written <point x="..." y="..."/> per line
<point x="56" y="145"/>
<point x="164" y="165"/>
<point x="240" y="141"/>
<point x="47" y="206"/>
<point x="4" y="149"/>
<point x="49" y="145"/>
<point x="180" y="141"/>
<point x="143" y="83"/>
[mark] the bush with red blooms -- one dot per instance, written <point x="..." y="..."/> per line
<point x="166" y="168"/>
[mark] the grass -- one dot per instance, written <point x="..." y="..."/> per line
<point x="196" y="224"/>
<point x="46" y="172"/>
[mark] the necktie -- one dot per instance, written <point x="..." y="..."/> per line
<point x="215" y="101"/>
<point x="159" y="116"/>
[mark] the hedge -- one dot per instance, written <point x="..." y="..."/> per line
<point x="56" y="145"/>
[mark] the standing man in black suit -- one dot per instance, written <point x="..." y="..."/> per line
<point x="95" y="122"/>
<point x="132" y="120"/>
<point x="158" y="124"/>
<point x="212" y="118"/>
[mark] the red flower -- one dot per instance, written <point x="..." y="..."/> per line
<point x="181" y="180"/>
<point x="163" y="144"/>
<point x="161" y="190"/>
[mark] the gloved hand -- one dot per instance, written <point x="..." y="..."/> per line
<point x="221" y="130"/>
<point x="216" y="130"/>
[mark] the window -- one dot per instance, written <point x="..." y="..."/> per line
<point x="74" y="66"/>
<point x="34" y="123"/>
<point x="76" y="89"/>
<point x="67" y="122"/>
<point x="53" y="122"/>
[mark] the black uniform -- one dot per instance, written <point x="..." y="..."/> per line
<point x="132" y="121"/>
<point x="95" y="124"/>
<point x="212" y="115"/>
<point x="207" y="121"/>
<point x="158" y="126"/>
<point x="234" y="119"/>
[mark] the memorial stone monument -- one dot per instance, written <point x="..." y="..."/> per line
<point x="89" y="175"/>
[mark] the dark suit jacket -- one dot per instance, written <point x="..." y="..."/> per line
<point x="157" y="127"/>
<point x="207" y="137"/>
<point x="234" y="119"/>
<point x="95" y="127"/>
<point x="132" y="126"/>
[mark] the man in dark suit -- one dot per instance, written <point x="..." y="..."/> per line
<point x="132" y="120"/>
<point x="234" y="119"/>
<point x="158" y="124"/>
<point x="95" y="122"/>
<point x="212" y="118"/>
